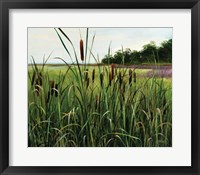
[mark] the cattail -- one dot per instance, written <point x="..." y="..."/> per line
<point x="120" y="79"/>
<point x="56" y="90"/>
<point x="112" y="71"/>
<point x="33" y="78"/>
<point x="134" y="77"/>
<point x="86" y="74"/>
<point x="81" y="50"/>
<point x="88" y="83"/>
<point x="110" y="78"/>
<point x="52" y="84"/>
<point x="130" y="76"/>
<point x="93" y="75"/>
<point x="101" y="79"/>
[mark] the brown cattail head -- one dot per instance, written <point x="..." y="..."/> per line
<point x="120" y="79"/>
<point x="93" y="75"/>
<point x="52" y="84"/>
<point x="101" y="79"/>
<point x="130" y="76"/>
<point x="33" y="78"/>
<point x="112" y="70"/>
<point x="81" y="50"/>
<point x="86" y="74"/>
<point x="110" y="78"/>
<point x="134" y="76"/>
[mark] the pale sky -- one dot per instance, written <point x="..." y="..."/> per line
<point x="43" y="41"/>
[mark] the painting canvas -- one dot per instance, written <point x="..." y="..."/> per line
<point x="100" y="87"/>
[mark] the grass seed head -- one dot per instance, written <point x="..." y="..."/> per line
<point x="81" y="50"/>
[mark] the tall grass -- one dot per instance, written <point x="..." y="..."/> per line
<point x="99" y="106"/>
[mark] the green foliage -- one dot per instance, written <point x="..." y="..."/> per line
<point x="149" y="53"/>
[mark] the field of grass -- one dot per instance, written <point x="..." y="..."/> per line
<point x="78" y="105"/>
<point x="100" y="107"/>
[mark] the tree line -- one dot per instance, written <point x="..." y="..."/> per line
<point x="149" y="53"/>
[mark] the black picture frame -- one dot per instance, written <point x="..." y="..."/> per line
<point x="5" y="5"/>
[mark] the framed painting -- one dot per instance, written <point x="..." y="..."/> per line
<point x="99" y="87"/>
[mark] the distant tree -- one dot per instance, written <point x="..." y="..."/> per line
<point x="107" y="59"/>
<point x="135" y="57"/>
<point x="149" y="52"/>
<point x="118" y="57"/>
<point x="165" y="51"/>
